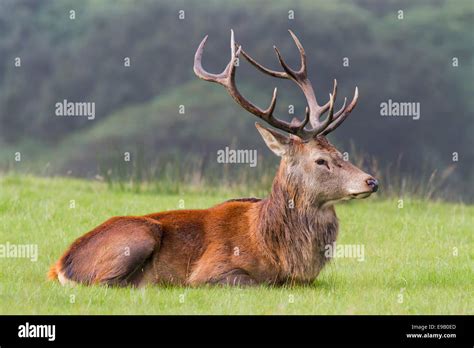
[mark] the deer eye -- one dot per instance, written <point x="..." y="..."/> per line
<point x="321" y="162"/>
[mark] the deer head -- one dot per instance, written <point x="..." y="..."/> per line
<point x="309" y="162"/>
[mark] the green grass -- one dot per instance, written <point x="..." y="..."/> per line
<point x="411" y="248"/>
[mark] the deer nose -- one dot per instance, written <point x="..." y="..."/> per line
<point x="373" y="184"/>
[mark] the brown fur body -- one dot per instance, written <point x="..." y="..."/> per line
<point x="276" y="240"/>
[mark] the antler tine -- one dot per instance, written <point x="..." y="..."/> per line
<point x="198" y="69"/>
<point x="288" y="71"/>
<point x="343" y="113"/>
<point x="299" y="125"/>
<point x="315" y="117"/>
<point x="227" y="79"/>
<point x="232" y="45"/>
<point x="300" y="77"/>
<point x="229" y="69"/>
<point x="303" y="69"/>
<point x="321" y="126"/>
<point x="279" y="74"/>
<point x="295" y="74"/>
<point x="285" y="66"/>
<point x="332" y="100"/>
<point x="341" y="109"/>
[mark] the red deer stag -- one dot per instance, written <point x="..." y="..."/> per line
<point x="276" y="240"/>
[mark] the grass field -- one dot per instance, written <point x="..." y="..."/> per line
<point x="418" y="259"/>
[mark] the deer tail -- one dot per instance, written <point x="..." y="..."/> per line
<point x="53" y="272"/>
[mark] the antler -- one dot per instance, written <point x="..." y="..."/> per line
<point x="313" y="112"/>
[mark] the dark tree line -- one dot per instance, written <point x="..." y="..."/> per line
<point x="82" y="59"/>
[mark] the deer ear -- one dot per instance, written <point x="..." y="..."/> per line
<point x="275" y="141"/>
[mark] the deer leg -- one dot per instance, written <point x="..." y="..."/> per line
<point x="235" y="277"/>
<point x="114" y="253"/>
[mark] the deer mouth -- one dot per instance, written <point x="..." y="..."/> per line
<point x="360" y="195"/>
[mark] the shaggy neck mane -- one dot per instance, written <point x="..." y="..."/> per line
<point x="293" y="230"/>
